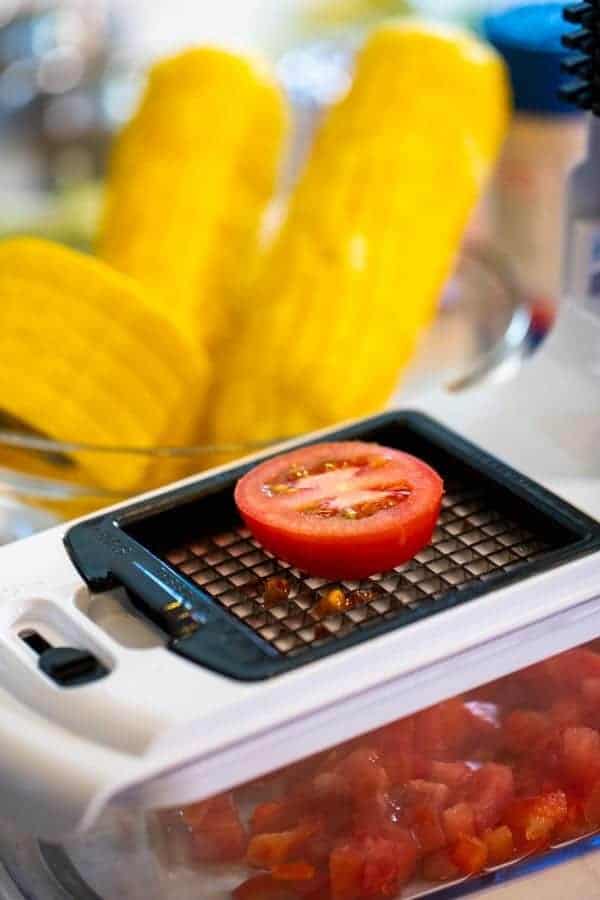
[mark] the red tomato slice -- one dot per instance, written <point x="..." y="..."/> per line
<point x="341" y="510"/>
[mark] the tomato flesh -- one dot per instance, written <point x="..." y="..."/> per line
<point x="341" y="510"/>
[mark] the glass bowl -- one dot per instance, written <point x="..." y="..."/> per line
<point x="480" y="327"/>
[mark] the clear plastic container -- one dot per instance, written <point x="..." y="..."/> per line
<point x="465" y="792"/>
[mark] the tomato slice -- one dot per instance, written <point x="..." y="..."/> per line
<point x="341" y="510"/>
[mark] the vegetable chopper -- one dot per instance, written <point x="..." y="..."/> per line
<point x="143" y="675"/>
<point x="155" y="678"/>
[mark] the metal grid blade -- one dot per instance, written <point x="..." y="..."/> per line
<point x="473" y="542"/>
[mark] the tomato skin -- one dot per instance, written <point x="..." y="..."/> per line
<point x="340" y="547"/>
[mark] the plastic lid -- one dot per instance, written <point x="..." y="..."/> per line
<point x="528" y="37"/>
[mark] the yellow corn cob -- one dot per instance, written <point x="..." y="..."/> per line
<point x="86" y="358"/>
<point x="189" y="181"/>
<point x="371" y="235"/>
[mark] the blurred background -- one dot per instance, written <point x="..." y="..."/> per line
<point x="71" y="73"/>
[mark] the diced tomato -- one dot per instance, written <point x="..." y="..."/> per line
<point x="490" y="790"/>
<point x="523" y="728"/>
<point x="373" y="867"/>
<point x="431" y="793"/>
<point x="591" y="806"/>
<point x="266" y="887"/>
<point x="269" y="817"/>
<point x="439" y="866"/>
<point x="402" y="767"/>
<point x="427" y="828"/>
<point x="263" y="887"/>
<point x="342" y="509"/>
<point x="500" y="845"/>
<point x="573" y="666"/>
<point x="441" y="730"/>
<point x="268" y="850"/>
<point x="534" y="819"/>
<point x="377" y="816"/>
<point x="469" y="855"/>
<point x="453" y="774"/>
<point x="388" y="866"/>
<point x="581" y="755"/>
<point x="293" y="871"/>
<point x="346" y="866"/>
<point x="217" y="833"/>
<point x="352" y="824"/>
<point x="458" y="820"/>
<point x="364" y="771"/>
<point x="590" y="690"/>
<point x="575" y="823"/>
<point x="566" y="711"/>
<point x="528" y="778"/>
<point x="397" y="737"/>
<point x="451" y="728"/>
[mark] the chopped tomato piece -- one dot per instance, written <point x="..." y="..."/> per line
<point x="388" y="866"/>
<point x="572" y="667"/>
<point x="372" y="867"/>
<point x="364" y="771"/>
<point x="523" y="728"/>
<point x="268" y="850"/>
<point x="427" y="828"/>
<point x="217" y="833"/>
<point x="567" y="711"/>
<point x="575" y="824"/>
<point x="439" y="866"/>
<point x="590" y="690"/>
<point x="397" y="737"/>
<point x="500" y="845"/>
<point x="341" y="510"/>
<point x="293" y="871"/>
<point x="490" y="790"/>
<point x="451" y="728"/>
<point x="534" y="819"/>
<point x="469" y="855"/>
<point x="263" y="887"/>
<point x="268" y="817"/>
<point x="346" y="866"/>
<point x="591" y="806"/>
<point x="581" y="755"/>
<point x="403" y="766"/>
<point x="431" y="793"/>
<point x="454" y="774"/>
<point x="458" y="820"/>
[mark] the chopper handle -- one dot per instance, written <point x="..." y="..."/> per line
<point x="52" y="782"/>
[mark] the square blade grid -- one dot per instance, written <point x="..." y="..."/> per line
<point x="473" y="542"/>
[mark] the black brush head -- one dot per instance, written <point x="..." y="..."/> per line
<point x="583" y="90"/>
